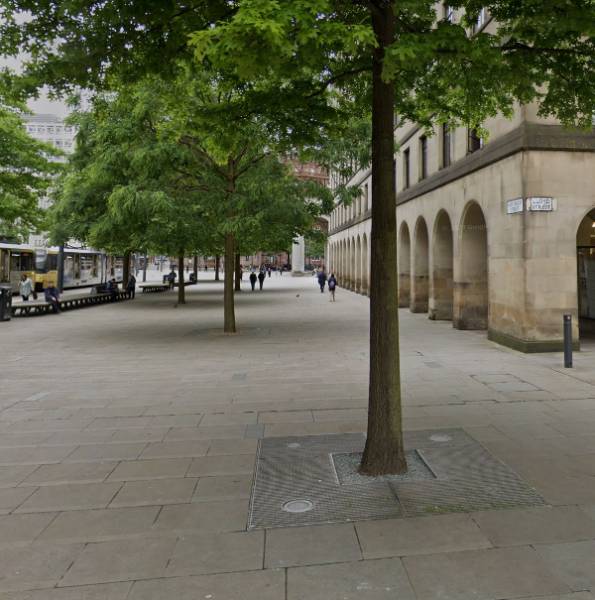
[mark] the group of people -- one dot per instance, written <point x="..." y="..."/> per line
<point x="331" y="281"/>
<point x="260" y="277"/>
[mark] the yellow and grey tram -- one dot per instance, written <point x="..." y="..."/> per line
<point x="81" y="267"/>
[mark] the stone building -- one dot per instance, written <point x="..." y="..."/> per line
<point x="496" y="236"/>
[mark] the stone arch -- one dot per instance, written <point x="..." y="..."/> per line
<point x="404" y="257"/>
<point x="585" y="256"/>
<point x="352" y="263"/>
<point x="441" y="288"/>
<point x="365" y="265"/>
<point x="421" y="268"/>
<point x="471" y="300"/>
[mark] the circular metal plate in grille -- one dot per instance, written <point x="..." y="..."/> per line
<point x="438" y="437"/>
<point x="298" y="506"/>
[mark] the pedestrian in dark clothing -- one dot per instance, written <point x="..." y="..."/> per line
<point x="52" y="296"/>
<point x="253" y="280"/>
<point x="321" y="281"/>
<point x="131" y="287"/>
<point x="261" y="277"/>
<point x="112" y="288"/>
<point x="269" y="271"/>
<point x="171" y="278"/>
<point x="332" y="284"/>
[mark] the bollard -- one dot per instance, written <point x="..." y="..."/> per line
<point x="568" y="341"/>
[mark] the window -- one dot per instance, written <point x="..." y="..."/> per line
<point x="446" y="145"/>
<point x="449" y="12"/>
<point x="423" y="157"/>
<point x="474" y="141"/>
<point x="482" y="19"/>
<point x="406" y="169"/>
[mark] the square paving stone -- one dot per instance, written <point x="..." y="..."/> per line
<point x="420" y="535"/>
<point x="225" y="515"/>
<point x="10" y="498"/>
<point x="100" y="525"/>
<point x="120" y="561"/>
<point x="104" y="591"/>
<point x="23" y="528"/>
<point x="70" y="473"/>
<point x="482" y="574"/>
<point x="70" y="497"/>
<point x="35" y="565"/>
<point x="222" y="465"/>
<point x="573" y="562"/>
<point x="101" y="452"/>
<point x="224" y="446"/>
<point x="150" y="469"/>
<point x="182" y="449"/>
<point x="250" y="585"/>
<point x="217" y="553"/>
<point x="295" y="546"/>
<point x="543" y="525"/>
<point x="223" y="487"/>
<point x="154" y="493"/>
<point x="384" y="579"/>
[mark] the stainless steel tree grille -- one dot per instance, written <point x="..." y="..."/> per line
<point x="313" y="479"/>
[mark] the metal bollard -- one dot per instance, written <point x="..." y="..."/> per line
<point x="568" y="341"/>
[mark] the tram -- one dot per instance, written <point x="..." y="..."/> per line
<point x="81" y="267"/>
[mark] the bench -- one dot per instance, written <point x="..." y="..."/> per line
<point x="154" y="287"/>
<point x="38" y="307"/>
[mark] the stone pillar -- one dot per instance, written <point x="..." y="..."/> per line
<point x="298" y="257"/>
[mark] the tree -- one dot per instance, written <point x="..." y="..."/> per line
<point x="401" y="56"/>
<point x="25" y="175"/>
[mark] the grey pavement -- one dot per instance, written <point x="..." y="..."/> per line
<point x="128" y="436"/>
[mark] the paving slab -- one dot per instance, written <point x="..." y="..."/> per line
<point x="250" y="585"/>
<point x="155" y="492"/>
<point x="13" y="475"/>
<point x="107" y="591"/>
<point x="104" y="452"/>
<point x="119" y="561"/>
<point x="420" y="535"/>
<point x="23" y="528"/>
<point x="573" y="562"/>
<point x="383" y="579"/>
<point x="10" y="498"/>
<point x="70" y="473"/>
<point x="223" y="487"/>
<point x="295" y="546"/>
<point x="180" y="449"/>
<point x="99" y="525"/>
<point x="231" y="446"/>
<point x="222" y="465"/>
<point x="217" y="553"/>
<point x="542" y="525"/>
<point x="69" y="497"/>
<point x="482" y="574"/>
<point x="150" y="469"/>
<point x="222" y="515"/>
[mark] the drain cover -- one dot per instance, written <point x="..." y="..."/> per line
<point x="440" y="438"/>
<point x="298" y="506"/>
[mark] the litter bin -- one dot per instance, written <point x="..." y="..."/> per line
<point x="5" y="302"/>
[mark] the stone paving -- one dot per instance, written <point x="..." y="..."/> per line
<point x="128" y="435"/>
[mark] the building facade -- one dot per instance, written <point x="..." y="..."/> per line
<point x="496" y="236"/>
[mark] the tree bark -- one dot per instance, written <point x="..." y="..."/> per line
<point x="125" y="270"/>
<point x="238" y="273"/>
<point x="217" y="266"/>
<point x="195" y="266"/>
<point x="146" y="258"/>
<point x="384" y="452"/>
<point x="229" y="317"/>
<point x="181" y="286"/>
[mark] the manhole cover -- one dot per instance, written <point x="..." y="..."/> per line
<point x="440" y="438"/>
<point x="298" y="506"/>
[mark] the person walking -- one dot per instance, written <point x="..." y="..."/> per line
<point x="25" y="287"/>
<point x="269" y="271"/>
<point x="171" y="278"/>
<point x="52" y="296"/>
<point x="131" y="286"/>
<point x="332" y="284"/>
<point x="321" y="280"/>
<point x="261" y="277"/>
<point x="253" y="279"/>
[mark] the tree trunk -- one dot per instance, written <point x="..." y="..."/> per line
<point x="238" y="272"/>
<point x="181" y="286"/>
<point x="125" y="270"/>
<point x="217" y="266"/>
<point x="145" y="267"/>
<point x="384" y="451"/>
<point x="196" y="266"/>
<point x="229" y="317"/>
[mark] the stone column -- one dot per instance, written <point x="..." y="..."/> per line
<point x="298" y="250"/>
